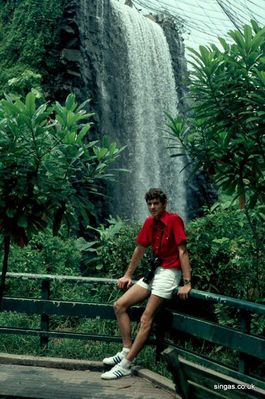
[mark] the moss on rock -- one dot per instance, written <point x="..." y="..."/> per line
<point x="29" y="44"/>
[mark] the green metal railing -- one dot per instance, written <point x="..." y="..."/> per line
<point x="239" y="339"/>
<point x="173" y="319"/>
<point x="46" y="307"/>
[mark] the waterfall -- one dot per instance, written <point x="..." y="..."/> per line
<point x="139" y="88"/>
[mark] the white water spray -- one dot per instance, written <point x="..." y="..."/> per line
<point x="148" y="94"/>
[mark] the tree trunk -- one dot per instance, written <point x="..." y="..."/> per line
<point x="57" y="221"/>
<point x="242" y="201"/>
<point x="4" y="267"/>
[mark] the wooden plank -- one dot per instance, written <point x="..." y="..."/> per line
<point x="196" y="294"/>
<point x="46" y="383"/>
<point x="199" y="378"/>
<point x="63" y="334"/>
<point x="206" y="379"/>
<point x="50" y="362"/>
<point x="201" y="392"/>
<point x="172" y="352"/>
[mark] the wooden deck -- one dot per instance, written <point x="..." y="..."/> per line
<point x="35" y="381"/>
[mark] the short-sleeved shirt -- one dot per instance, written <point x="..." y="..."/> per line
<point x="164" y="235"/>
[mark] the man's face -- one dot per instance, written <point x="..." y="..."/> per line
<point x="156" y="208"/>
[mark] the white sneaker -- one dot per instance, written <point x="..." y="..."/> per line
<point x="111" y="361"/>
<point x="116" y="372"/>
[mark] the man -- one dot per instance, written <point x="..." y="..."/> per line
<point x="165" y="232"/>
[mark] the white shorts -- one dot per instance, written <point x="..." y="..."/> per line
<point x="164" y="282"/>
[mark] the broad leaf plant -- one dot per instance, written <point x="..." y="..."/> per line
<point x="49" y="168"/>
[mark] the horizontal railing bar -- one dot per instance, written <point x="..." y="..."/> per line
<point x="196" y="294"/>
<point x="228" y="337"/>
<point x="238" y="303"/>
<point x="66" y="334"/>
<point x="65" y="308"/>
<point x="61" y="278"/>
<point x="58" y="334"/>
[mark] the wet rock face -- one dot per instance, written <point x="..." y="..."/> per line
<point x="65" y="77"/>
<point x="177" y="51"/>
<point x="90" y="17"/>
<point x="81" y="52"/>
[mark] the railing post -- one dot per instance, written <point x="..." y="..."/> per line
<point x="161" y="325"/>
<point x="245" y="319"/>
<point x="44" y="324"/>
<point x="160" y="345"/>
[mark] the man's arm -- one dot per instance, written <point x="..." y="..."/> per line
<point x="186" y="271"/>
<point x="126" y="280"/>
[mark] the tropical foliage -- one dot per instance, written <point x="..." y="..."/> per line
<point x="110" y="253"/>
<point x="47" y="164"/>
<point x="224" y="133"/>
<point x="221" y="248"/>
<point x="48" y="168"/>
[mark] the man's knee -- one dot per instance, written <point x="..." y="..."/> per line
<point x="119" y="307"/>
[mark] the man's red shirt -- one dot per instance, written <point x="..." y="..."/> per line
<point x="164" y="235"/>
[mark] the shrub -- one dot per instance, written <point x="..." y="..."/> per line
<point x="110" y="254"/>
<point x="222" y="252"/>
<point x="44" y="254"/>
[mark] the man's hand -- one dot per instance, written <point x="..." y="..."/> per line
<point x="183" y="292"/>
<point x="124" y="282"/>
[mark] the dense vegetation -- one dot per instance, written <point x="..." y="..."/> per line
<point x="29" y="44"/>
<point x="223" y="135"/>
<point x="49" y="168"/>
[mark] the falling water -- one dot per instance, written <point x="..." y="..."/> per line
<point x="141" y="91"/>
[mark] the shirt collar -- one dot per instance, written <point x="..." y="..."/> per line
<point x="163" y="218"/>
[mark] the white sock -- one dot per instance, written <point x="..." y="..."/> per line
<point x="125" y="363"/>
<point x="126" y="350"/>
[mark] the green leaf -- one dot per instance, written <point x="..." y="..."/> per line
<point x="224" y="43"/>
<point x="83" y="132"/>
<point x="70" y="138"/>
<point x="70" y="103"/>
<point x="30" y="104"/>
<point x="255" y="26"/>
<point x="238" y="38"/>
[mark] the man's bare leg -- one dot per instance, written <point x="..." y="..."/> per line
<point x="134" y="295"/>
<point x="146" y="321"/>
